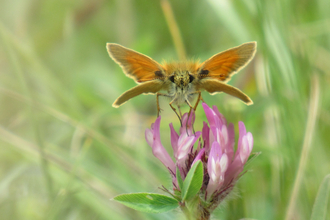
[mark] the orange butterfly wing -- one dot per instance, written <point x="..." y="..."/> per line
<point x="225" y="64"/>
<point x="144" y="88"/>
<point x="135" y="65"/>
<point x="214" y="86"/>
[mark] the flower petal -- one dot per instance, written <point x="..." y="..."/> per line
<point x="205" y="136"/>
<point x="159" y="151"/>
<point x="149" y="135"/>
<point x="184" y="147"/>
<point x="250" y="141"/>
<point x="210" y="114"/>
<point x="224" y="163"/>
<point x="220" y="116"/>
<point x="199" y="156"/>
<point x="174" y="140"/>
<point x="187" y="123"/>
<point x="217" y="165"/>
<point x="242" y="132"/>
<point x="185" y="144"/>
<point x="214" y="155"/>
<point x="157" y="148"/>
<point x="246" y="148"/>
<point x="229" y="148"/>
<point x="224" y="132"/>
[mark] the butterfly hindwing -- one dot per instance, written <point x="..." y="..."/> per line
<point x="144" y="88"/>
<point x="215" y="86"/>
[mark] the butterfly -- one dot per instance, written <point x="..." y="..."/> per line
<point x="182" y="81"/>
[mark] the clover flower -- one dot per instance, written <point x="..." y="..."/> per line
<point x="215" y="149"/>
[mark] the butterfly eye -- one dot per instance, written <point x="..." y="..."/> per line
<point x="191" y="78"/>
<point x="172" y="78"/>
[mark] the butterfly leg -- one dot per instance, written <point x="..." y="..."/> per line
<point x="157" y="100"/>
<point x="197" y="102"/>
<point x="175" y="112"/>
<point x="188" y="103"/>
<point x="202" y="99"/>
<point x="158" y="108"/>
<point x="198" y="99"/>
<point x="180" y="111"/>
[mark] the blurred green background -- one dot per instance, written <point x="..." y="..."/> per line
<point x="65" y="152"/>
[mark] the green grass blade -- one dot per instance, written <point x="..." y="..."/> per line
<point x="321" y="202"/>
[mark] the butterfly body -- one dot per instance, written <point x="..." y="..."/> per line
<point x="181" y="87"/>
<point x="182" y="81"/>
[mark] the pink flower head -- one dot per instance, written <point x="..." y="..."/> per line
<point x="222" y="139"/>
<point x="222" y="165"/>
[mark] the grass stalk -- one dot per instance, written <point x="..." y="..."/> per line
<point x="33" y="117"/>
<point x="310" y="128"/>
<point x="174" y="29"/>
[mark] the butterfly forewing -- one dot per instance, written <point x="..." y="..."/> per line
<point x="135" y="65"/>
<point x="223" y="65"/>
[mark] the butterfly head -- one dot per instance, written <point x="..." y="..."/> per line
<point x="181" y="79"/>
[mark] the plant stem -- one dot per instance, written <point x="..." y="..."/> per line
<point x="203" y="214"/>
<point x="186" y="211"/>
<point x="200" y="213"/>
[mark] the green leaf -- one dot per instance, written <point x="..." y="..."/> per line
<point x="321" y="202"/>
<point x="179" y="178"/>
<point x="148" y="202"/>
<point x="193" y="182"/>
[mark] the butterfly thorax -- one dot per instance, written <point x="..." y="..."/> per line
<point x="182" y="76"/>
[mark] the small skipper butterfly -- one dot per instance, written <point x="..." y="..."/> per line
<point x="182" y="81"/>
